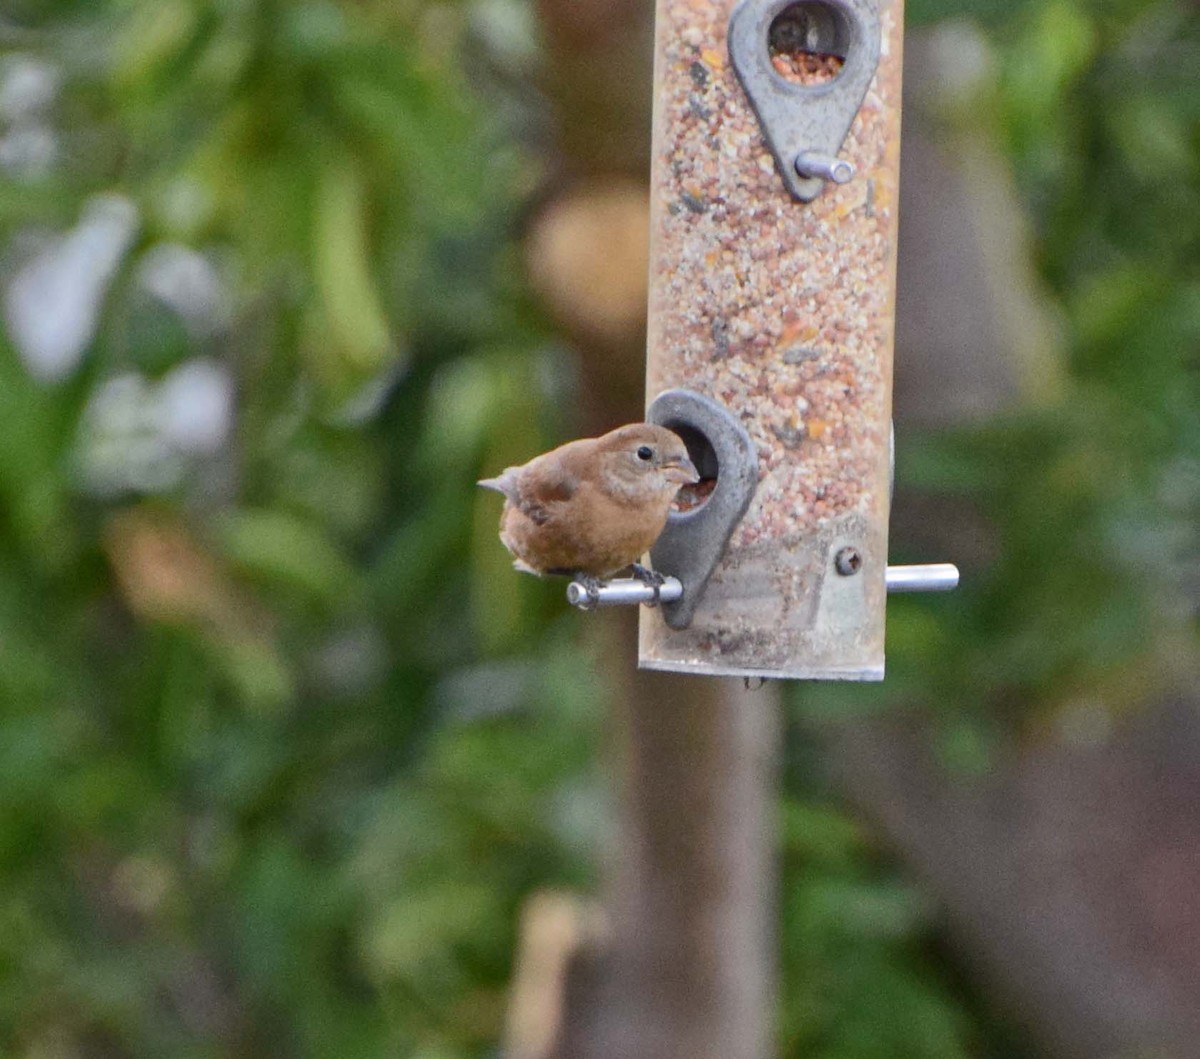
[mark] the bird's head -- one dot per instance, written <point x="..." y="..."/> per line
<point x="643" y="460"/>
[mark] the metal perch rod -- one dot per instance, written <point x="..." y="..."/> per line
<point x="930" y="577"/>
<point x="623" y="590"/>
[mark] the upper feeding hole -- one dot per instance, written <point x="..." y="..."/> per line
<point x="808" y="42"/>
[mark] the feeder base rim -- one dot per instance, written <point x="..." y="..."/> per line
<point x="862" y="674"/>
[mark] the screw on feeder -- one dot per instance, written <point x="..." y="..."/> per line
<point x="848" y="561"/>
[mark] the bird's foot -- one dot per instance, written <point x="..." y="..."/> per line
<point x="649" y="577"/>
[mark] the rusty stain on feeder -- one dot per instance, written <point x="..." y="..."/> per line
<point x="781" y="311"/>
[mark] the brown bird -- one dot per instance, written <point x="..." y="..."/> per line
<point x="592" y="507"/>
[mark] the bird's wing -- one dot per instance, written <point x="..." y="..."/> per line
<point x="546" y="480"/>
<point x="542" y="484"/>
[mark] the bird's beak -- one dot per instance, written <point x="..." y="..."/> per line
<point x="682" y="471"/>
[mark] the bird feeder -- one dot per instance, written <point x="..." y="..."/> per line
<point x="772" y="288"/>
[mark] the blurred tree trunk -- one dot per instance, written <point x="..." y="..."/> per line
<point x="1066" y="876"/>
<point x="686" y="971"/>
<point x="599" y="55"/>
<point x="680" y="963"/>
<point x="694" y="886"/>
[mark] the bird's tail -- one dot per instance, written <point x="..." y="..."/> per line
<point x="504" y="483"/>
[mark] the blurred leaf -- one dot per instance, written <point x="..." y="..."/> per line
<point x="275" y="547"/>
<point x="342" y="269"/>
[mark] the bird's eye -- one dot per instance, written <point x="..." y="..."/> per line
<point x="645" y="453"/>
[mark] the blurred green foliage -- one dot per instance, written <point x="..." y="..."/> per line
<point x="283" y="746"/>
<point x="283" y="751"/>
<point x="859" y="981"/>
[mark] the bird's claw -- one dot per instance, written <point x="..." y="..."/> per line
<point x="649" y="577"/>
<point x="591" y="586"/>
<point x="646" y="575"/>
